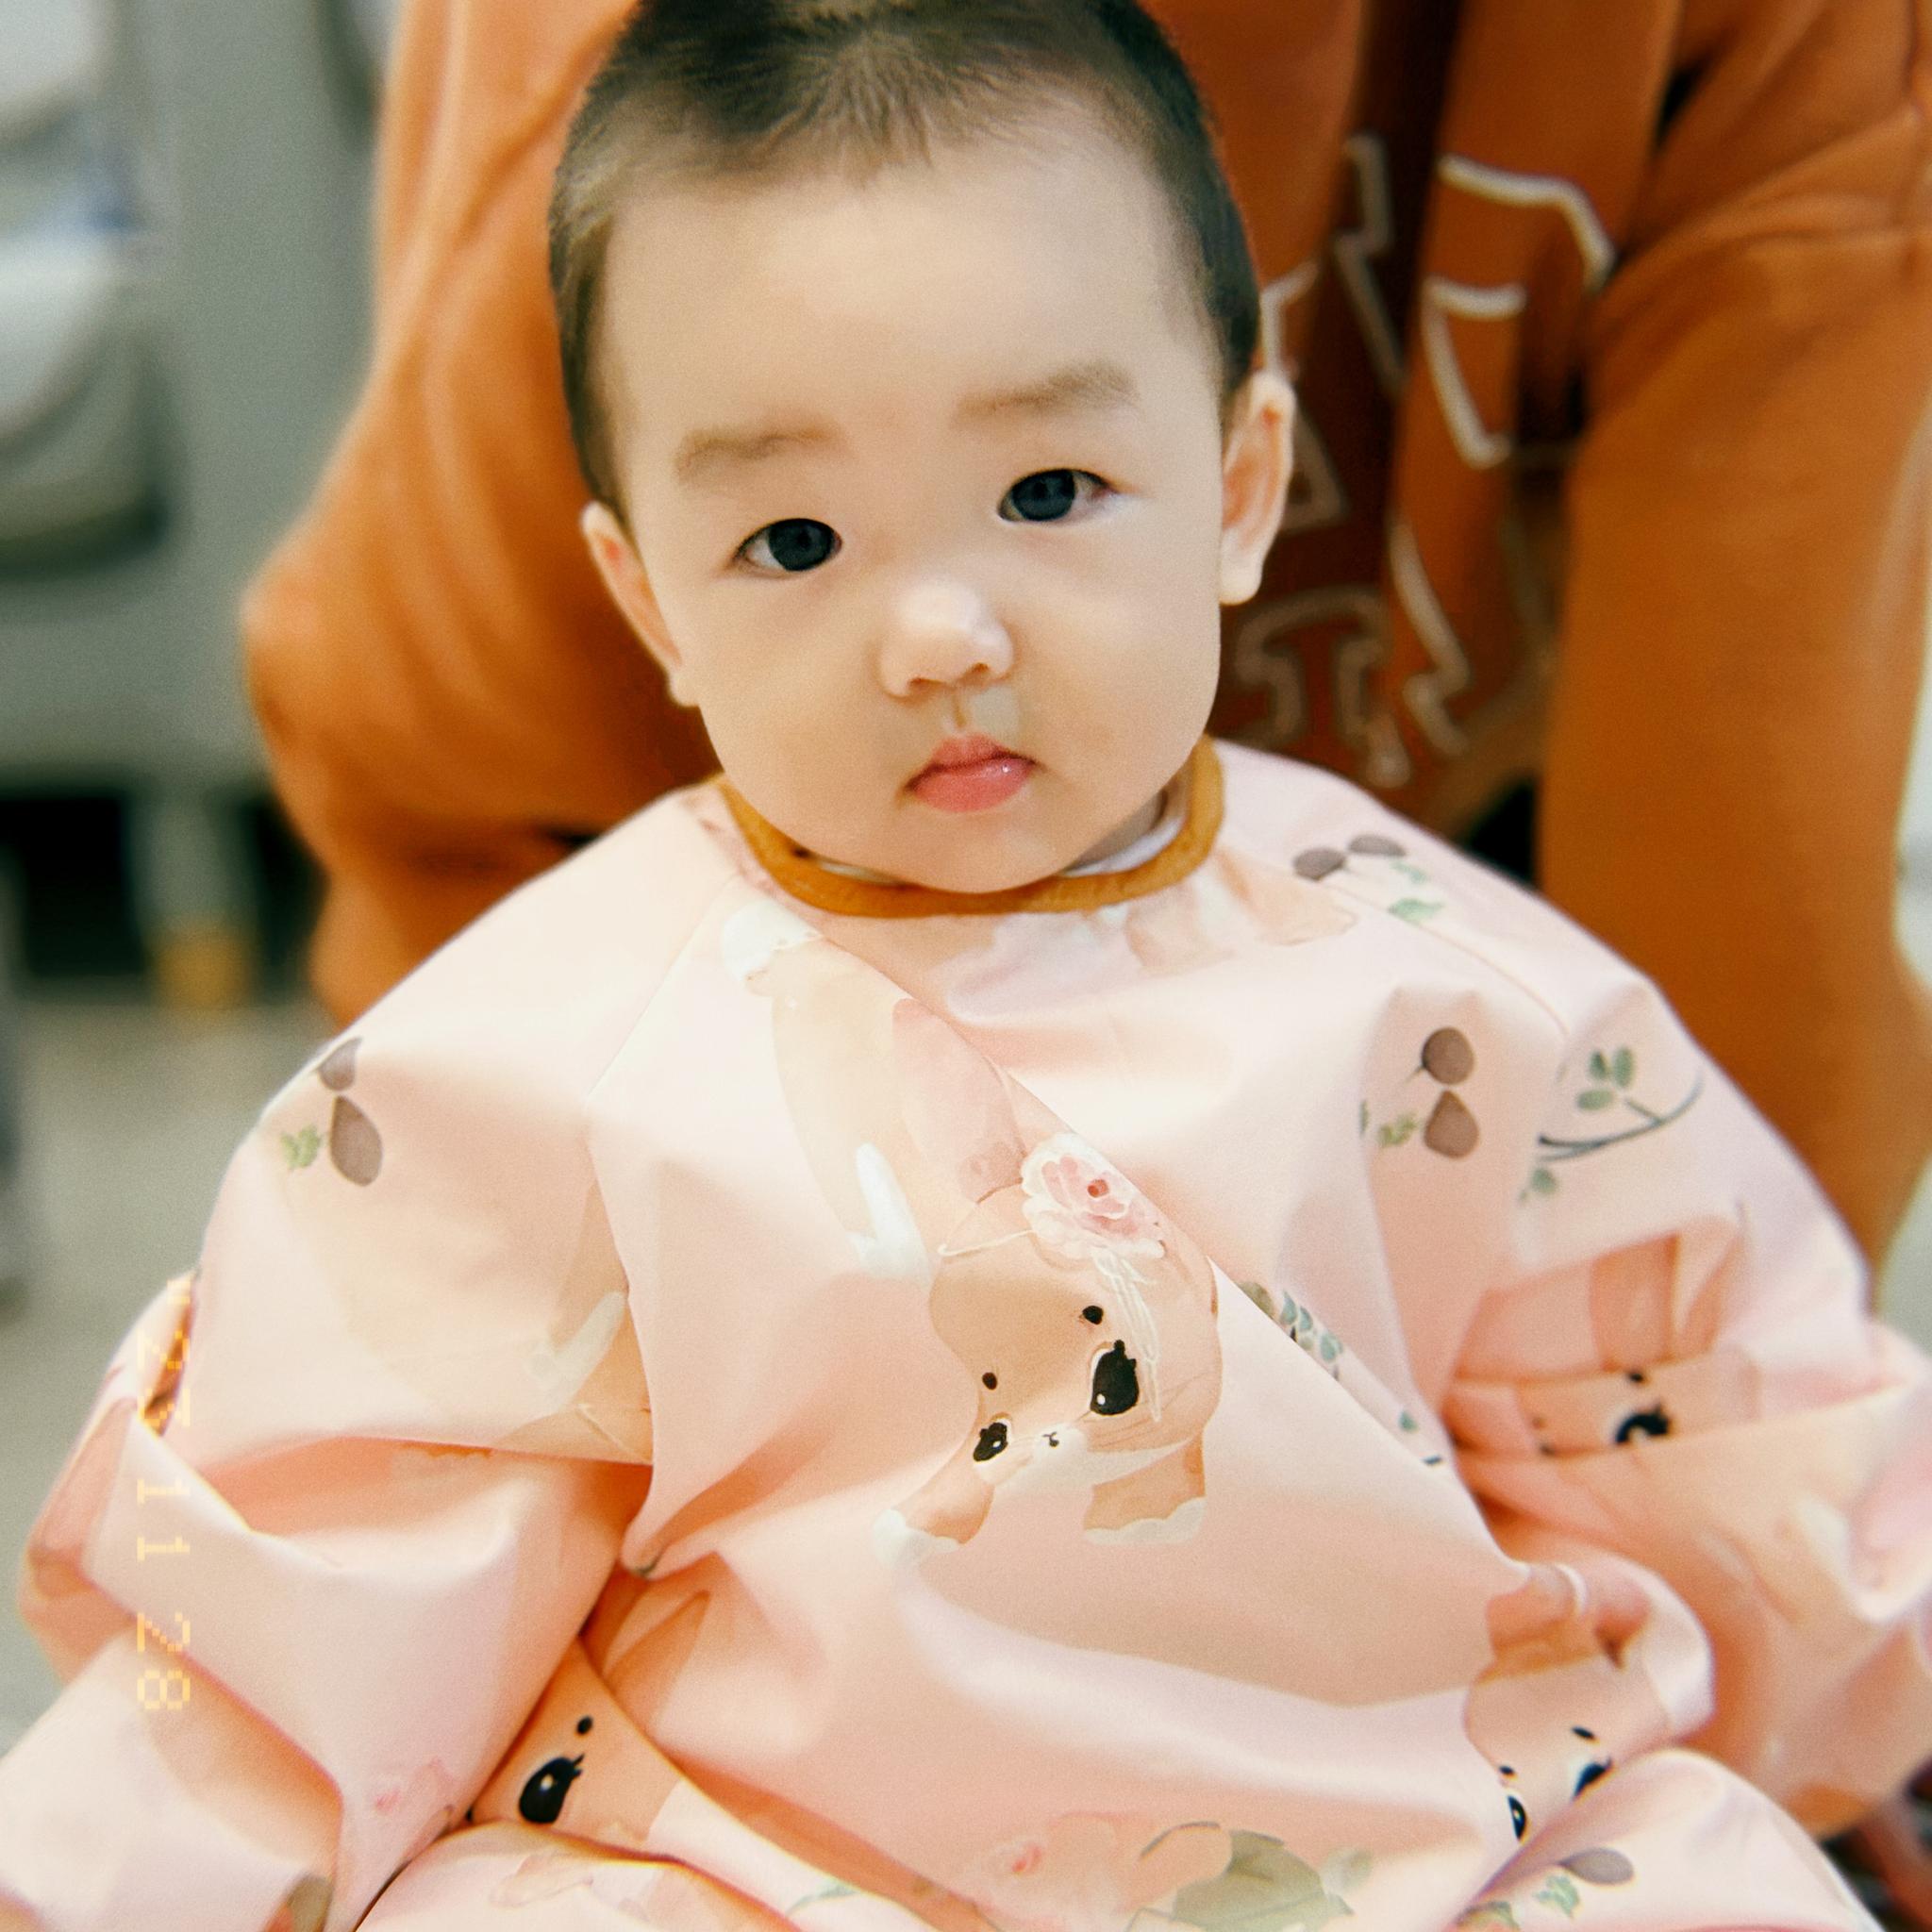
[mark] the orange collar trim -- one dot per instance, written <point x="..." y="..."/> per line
<point x="805" y="878"/>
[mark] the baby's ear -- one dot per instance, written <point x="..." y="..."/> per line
<point x="618" y="564"/>
<point x="1256" y="466"/>
<point x="956" y="1106"/>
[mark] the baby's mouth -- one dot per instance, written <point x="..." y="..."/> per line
<point x="970" y="774"/>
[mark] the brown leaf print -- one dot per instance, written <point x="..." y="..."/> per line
<point x="339" y="1070"/>
<point x="1600" y="1865"/>
<point x="1319" y="861"/>
<point x="1448" y="1055"/>
<point x="1374" y="845"/>
<point x="353" y="1144"/>
<point x="1452" y="1129"/>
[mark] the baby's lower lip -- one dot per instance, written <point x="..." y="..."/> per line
<point x="971" y="788"/>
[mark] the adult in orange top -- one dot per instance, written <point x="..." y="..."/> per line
<point x="1671" y="261"/>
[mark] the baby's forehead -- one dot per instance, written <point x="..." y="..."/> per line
<point x="794" y="204"/>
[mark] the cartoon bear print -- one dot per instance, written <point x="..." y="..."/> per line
<point x="584" y="1766"/>
<point x="1089" y="1324"/>
<point x="1563" y="1700"/>
<point x="1663" y="1367"/>
<point x="580" y="1763"/>
<point x="1086" y="1321"/>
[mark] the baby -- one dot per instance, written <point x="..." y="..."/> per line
<point x="1009" y="1318"/>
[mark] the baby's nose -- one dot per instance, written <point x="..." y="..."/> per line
<point x="942" y="633"/>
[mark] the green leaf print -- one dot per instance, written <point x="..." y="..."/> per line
<point x="834" y="1890"/>
<point x="1596" y="1099"/>
<point x="1415" y="910"/>
<point x="1623" y="1067"/>
<point x="1498" y="1911"/>
<point x="1393" y="1133"/>
<point x="1599" y="1067"/>
<point x="1265" y="1887"/>
<point x="1560" y="1893"/>
<point x="300" y="1150"/>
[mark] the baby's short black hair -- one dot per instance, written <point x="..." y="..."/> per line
<point x="742" y="89"/>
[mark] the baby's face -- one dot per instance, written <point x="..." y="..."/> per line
<point x="934" y="457"/>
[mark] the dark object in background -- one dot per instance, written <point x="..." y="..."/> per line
<point x="13" y="1225"/>
<point x="76" y="910"/>
<point x="1504" y="836"/>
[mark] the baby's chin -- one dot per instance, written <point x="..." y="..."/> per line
<point x="977" y="875"/>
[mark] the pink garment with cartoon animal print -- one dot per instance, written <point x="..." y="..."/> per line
<point x="1279" y="1395"/>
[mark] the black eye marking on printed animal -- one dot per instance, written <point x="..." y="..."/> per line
<point x="1092" y="1314"/>
<point x="1518" y="1818"/>
<point x="583" y="1725"/>
<point x="1647" y="1422"/>
<point x="990" y="1380"/>
<point x="992" y="1442"/>
<point x="1578" y="1731"/>
<point x="1116" y="1382"/>
<point x="540" y="1801"/>
<point x="1588" y="1776"/>
<point x="1635" y="1375"/>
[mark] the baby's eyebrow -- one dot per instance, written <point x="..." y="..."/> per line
<point x="1095" y="385"/>
<point x="706" y="455"/>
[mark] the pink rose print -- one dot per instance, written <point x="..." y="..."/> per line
<point x="1082" y="1207"/>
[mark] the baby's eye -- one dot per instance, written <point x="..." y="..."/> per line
<point x="797" y="543"/>
<point x="1047" y="495"/>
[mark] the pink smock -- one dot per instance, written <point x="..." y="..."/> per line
<point x="1269" y="1388"/>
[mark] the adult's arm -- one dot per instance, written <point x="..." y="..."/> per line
<point x="1743" y="619"/>
<point x="447" y="696"/>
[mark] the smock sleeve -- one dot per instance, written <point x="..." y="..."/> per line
<point x="347" y="1495"/>
<point x="1673" y="1363"/>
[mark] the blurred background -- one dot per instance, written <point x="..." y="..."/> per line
<point x="184" y="296"/>
<point x="184" y="216"/>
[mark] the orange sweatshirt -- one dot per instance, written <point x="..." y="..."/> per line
<point x="1613" y="332"/>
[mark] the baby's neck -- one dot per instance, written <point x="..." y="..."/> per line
<point x="1162" y="806"/>
<point x="1121" y="836"/>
